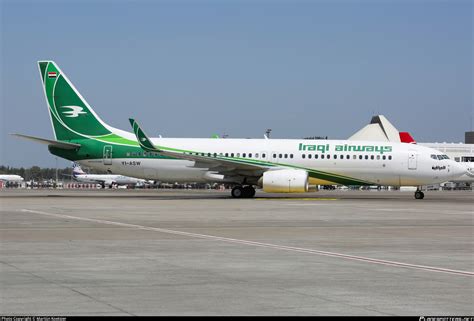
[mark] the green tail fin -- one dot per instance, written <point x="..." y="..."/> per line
<point x="71" y="115"/>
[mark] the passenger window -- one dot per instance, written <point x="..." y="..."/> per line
<point x="303" y="156"/>
<point x="366" y="156"/>
<point x="209" y="154"/>
<point x="309" y="156"/>
<point x="372" y="157"/>
<point x="316" y="156"/>
<point x="341" y="157"/>
<point x="390" y="157"/>
<point x="286" y="155"/>
<point x="244" y="155"/>
<point x="215" y="154"/>
<point x="384" y="157"/>
<point x="238" y="154"/>
<point x="322" y="156"/>
<point x="378" y="157"/>
<point x="354" y="156"/>
<point x="226" y="154"/>
<point x="348" y="156"/>
<point x="256" y="155"/>
<point x="360" y="156"/>
<point x="280" y="155"/>
<point x="335" y="156"/>
<point x="291" y="155"/>
<point x="263" y="155"/>
<point x="250" y="155"/>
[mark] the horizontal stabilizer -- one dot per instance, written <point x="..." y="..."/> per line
<point x="49" y="142"/>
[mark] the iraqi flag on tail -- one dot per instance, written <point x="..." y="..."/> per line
<point x="52" y="74"/>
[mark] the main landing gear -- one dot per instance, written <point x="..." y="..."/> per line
<point x="419" y="195"/>
<point x="243" y="191"/>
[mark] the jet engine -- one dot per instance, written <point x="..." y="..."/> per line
<point x="285" y="181"/>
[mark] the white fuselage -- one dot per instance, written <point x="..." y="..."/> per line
<point x="11" y="178"/>
<point x="107" y="179"/>
<point x="378" y="163"/>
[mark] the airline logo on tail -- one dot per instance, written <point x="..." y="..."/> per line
<point x="74" y="111"/>
<point x="77" y="170"/>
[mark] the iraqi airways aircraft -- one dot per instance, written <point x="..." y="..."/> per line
<point x="104" y="179"/>
<point x="276" y="165"/>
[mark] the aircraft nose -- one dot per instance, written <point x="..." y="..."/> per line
<point x="457" y="169"/>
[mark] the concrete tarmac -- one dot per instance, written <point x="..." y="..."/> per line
<point x="157" y="252"/>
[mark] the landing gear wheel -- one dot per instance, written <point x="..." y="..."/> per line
<point x="237" y="192"/>
<point x="248" y="192"/>
<point x="419" y="195"/>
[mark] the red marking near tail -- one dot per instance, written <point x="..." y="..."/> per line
<point x="405" y="137"/>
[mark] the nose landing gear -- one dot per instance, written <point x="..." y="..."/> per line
<point x="243" y="191"/>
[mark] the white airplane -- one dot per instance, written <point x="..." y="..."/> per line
<point x="11" y="178"/>
<point x="104" y="179"/>
<point x="276" y="165"/>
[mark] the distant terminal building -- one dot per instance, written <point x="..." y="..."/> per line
<point x="458" y="151"/>
<point x="469" y="137"/>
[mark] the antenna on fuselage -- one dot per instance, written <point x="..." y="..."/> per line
<point x="267" y="133"/>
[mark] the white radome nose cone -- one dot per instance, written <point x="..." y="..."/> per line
<point x="458" y="170"/>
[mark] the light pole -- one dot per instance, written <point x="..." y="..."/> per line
<point x="56" y="172"/>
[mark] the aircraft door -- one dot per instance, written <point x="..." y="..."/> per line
<point x="107" y="157"/>
<point x="412" y="160"/>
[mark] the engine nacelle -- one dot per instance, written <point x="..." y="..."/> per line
<point x="285" y="181"/>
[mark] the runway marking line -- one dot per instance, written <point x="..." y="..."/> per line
<point x="264" y="245"/>
<point x="296" y="199"/>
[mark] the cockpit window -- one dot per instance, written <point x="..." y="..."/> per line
<point x="446" y="156"/>
<point x="440" y="157"/>
<point x="434" y="156"/>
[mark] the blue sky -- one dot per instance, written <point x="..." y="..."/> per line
<point x="197" y="68"/>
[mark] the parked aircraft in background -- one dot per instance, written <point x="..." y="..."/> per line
<point x="11" y="178"/>
<point x="104" y="179"/>
<point x="276" y="165"/>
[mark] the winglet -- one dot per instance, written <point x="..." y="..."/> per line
<point x="142" y="138"/>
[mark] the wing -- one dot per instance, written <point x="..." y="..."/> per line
<point x="229" y="167"/>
